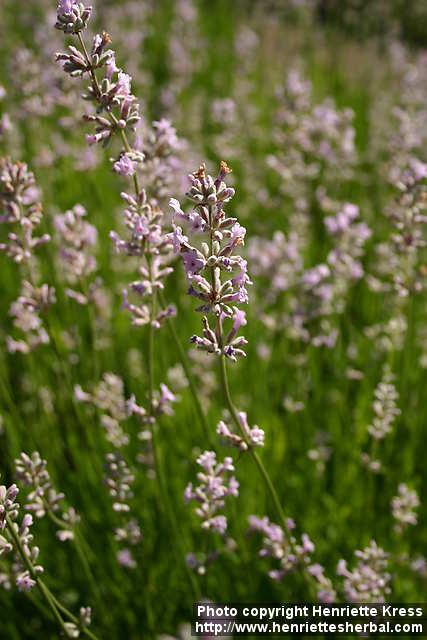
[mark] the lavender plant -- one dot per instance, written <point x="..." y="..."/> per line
<point x="404" y="507"/>
<point x="369" y="581"/>
<point x="205" y="265"/>
<point x="21" y="207"/>
<point x="16" y="539"/>
<point x="337" y="295"/>
<point x="117" y="115"/>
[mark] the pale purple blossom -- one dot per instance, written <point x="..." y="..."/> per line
<point x="369" y="581"/>
<point x="124" y="166"/>
<point x="215" y="484"/>
<point x="404" y="507"/>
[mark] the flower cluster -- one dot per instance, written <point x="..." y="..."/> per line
<point x="72" y="16"/>
<point x="215" y="484"/>
<point x="117" y="111"/>
<point x="278" y="259"/>
<point x="349" y="236"/>
<point x="369" y="581"/>
<point x="283" y="547"/>
<point x="109" y="397"/>
<point x="116" y="107"/>
<point x="12" y="531"/>
<point x="253" y="436"/>
<point x="314" y="295"/>
<point x="43" y="498"/>
<point x="404" y="507"/>
<point x="162" y="167"/>
<point x="8" y="506"/>
<point x="119" y="480"/>
<point x="76" y="238"/>
<point x="20" y="206"/>
<point x="400" y="264"/>
<point x="205" y="266"/>
<point x="147" y="241"/>
<point x="384" y="407"/>
<point x="385" y="413"/>
<point x="311" y="139"/>
<point x="26" y="313"/>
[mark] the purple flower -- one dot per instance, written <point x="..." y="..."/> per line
<point x="66" y="6"/>
<point x="72" y="16"/>
<point x="25" y="582"/>
<point x="239" y="320"/>
<point x="369" y="581"/>
<point x="124" y="166"/>
<point x="218" y="524"/>
<point x="178" y="239"/>
<point x="215" y="484"/>
<point x="193" y="262"/>
<point x="177" y="211"/>
<point x="123" y="85"/>
<point x="206" y="261"/>
<point x="313" y="277"/>
<point x="125" y="559"/>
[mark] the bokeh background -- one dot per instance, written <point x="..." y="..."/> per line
<point x="228" y="75"/>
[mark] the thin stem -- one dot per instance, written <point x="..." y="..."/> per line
<point x="113" y="119"/>
<point x="150" y="359"/>
<point x="72" y="617"/>
<point x="263" y="471"/>
<point x="48" y="596"/>
<point x="227" y="395"/>
<point x="188" y="374"/>
<point x="157" y="464"/>
<point x="261" y="468"/>
<point x="89" y="65"/>
<point x="28" y="564"/>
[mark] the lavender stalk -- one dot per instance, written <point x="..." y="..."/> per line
<point x="17" y="539"/>
<point x="113" y="97"/>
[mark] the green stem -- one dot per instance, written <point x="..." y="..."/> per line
<point x="28" y="564"/>
<point x="260" y="465"/>
<point x="150" y="360"/>
<point x="112" y="117"/>
<point x="188" y="374"/>
<point x="48" y="596"/>
<point x="158" y="467"/>
<point x="227" y="395"/>
<point x="72" y="617"/>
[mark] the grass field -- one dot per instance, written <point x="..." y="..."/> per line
<point x="325" y="134"/>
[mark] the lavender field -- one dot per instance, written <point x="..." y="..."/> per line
<point x="213" y="361"/>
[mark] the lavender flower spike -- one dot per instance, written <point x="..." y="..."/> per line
<point x="72" y="16"/>
<point x="215" y="484"/>
<point x="211" y="256"/>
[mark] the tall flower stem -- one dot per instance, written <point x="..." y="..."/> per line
<point x="188" y="374"/>
<point x="157" y="463"/>
<point x="81" y="548"/>
<point x="137" y="189"/>
<point x="113" y="119"/>
<point x="51" y="601"/>
<point x="172" y="329"/>
<point x="233" y="412"/>
<point x="150" y="356"/>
